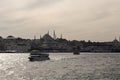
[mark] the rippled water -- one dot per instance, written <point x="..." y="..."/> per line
<point x="62" y="66"/>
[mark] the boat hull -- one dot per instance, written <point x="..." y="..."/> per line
<point x="38" y="56"/>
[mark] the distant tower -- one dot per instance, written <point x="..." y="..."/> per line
<point x="34" y="37"/>
<point x="61" y="36"/>
<point x="115" y="38"/>
<point x="48" y="32"/>
<point x="119" y="38"/>
<point x="54" y="34"/>
<point x="40" y="37"/>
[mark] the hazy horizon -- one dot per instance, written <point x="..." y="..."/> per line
<point x="95" y="20"/>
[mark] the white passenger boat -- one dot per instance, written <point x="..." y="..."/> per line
<point x="36" y="55"/>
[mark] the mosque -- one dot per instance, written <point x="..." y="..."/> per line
<point x="116" y="40"/>
<point x="47" y="42"/>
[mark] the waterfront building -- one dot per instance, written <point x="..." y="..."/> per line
<point x="17" y="44"/>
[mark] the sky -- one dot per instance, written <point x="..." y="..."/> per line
<point x="95" y="20"/>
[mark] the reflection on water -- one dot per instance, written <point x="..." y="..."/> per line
<point x="59" y="56"/>
<point x="62" y="66"/>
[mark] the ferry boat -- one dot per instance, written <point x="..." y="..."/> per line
<point x="36" y="55"/>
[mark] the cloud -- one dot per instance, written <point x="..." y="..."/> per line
<point x="77" y="19"/>
<point x="42" y="3"/>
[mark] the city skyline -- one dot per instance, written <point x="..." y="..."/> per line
<point x="55" y="37"/>
<point x="95" y="20"/>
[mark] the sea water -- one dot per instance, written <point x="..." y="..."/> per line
<point x="61" y="66"/>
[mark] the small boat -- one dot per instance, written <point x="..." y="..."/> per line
<point x="76" y="53"/>
<point x="36" y="55"/>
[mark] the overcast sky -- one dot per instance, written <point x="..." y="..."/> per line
<point x="96" y="20"/>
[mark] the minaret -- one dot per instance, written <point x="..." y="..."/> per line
<point x="54" y="34"/>
<point x="34" y="37"/>
<point x="61" y="36"/>
<point x="119" y="38"/>
<point x="115" y="38"/>
<point x="40" y="37"/>
<point x="48" y="32"/>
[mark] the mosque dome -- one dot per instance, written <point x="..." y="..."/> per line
<point x="10" y="37"/>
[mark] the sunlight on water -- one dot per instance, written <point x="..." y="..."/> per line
<point x="59" y="56"/>
<point x="62" y="66"/>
